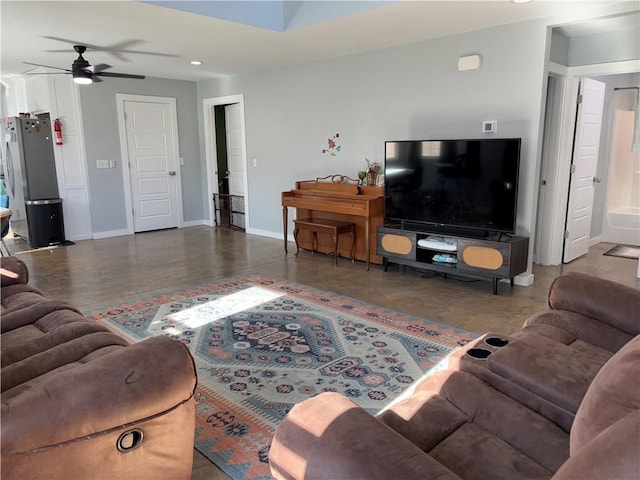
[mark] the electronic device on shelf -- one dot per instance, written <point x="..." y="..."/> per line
<point x="457" y="185"/>
<point x="441" y="244"/>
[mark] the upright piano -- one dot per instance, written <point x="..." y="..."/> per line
<point x="339" y="200"/>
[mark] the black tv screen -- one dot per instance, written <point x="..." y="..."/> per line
<point x="461" y="184"/>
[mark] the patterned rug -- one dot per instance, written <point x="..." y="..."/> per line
<point x="262" y="345"/>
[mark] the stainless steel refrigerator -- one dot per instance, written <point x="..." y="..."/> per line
<point x="30" y="177"/>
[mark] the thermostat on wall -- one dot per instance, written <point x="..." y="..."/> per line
<point x="489" y="126"/>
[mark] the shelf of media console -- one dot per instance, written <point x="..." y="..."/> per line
<point x="489" y="258"/>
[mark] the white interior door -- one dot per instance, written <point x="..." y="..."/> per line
<point x="235" y="147"/>
<point x="152" y="165"/>
<point x="583" y="168"/>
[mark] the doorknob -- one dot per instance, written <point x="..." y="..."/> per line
<point x="597" y="179"/>
<point x="172" y="173"/>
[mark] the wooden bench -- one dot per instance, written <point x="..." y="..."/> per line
<point x="325" y="225"/>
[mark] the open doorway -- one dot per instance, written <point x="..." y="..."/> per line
<point x="556" y="163"/>
<point x="226" y="161"/>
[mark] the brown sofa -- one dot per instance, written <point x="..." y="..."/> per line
<point x="554" y="400"/>
<point x="78" y="401"/>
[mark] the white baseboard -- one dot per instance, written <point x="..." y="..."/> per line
<point x="194" y="223"/>
<point x="595" y="240"/>
<point x="120" y="233"/>
<point x="265" y="233"/>
<point x="270" y="234"/>
<point x="111" y="233"/>
<point x="524" y="279"/>
<point x="77" y="238"/>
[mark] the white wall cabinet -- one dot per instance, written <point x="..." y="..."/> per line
<point x="38" y="96"/>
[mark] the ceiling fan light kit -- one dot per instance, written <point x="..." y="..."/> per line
<point x="82" y="78"/>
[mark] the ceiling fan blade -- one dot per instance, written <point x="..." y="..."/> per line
<point x="72" y="42"/>
<point x="49" y="73"/>
<point x="47" y="66"/>
<point x="96" y="79"/>
<point x="116" y="49"/>
<point x="119" y="75"/>
<point x="98" y="68"/>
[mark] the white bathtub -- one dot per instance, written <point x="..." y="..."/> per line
<point x="622" y="225"/>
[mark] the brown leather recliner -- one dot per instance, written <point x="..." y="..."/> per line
<point x="79" y="402"/>
<point x="554" y="400"/>
<point x="456" y="426"/>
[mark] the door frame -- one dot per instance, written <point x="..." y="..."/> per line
<point x="558" y="168"/>
<point x="124" y="152"/>
<point x="208" y="111"/>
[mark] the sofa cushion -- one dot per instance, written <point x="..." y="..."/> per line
<point x="476" y="431"/>
<point x="330" y="437"/>
<point x="551" y="370"/>
<point x="613" y="394"/>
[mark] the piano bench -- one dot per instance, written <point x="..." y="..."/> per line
<point x="325" y="225"/>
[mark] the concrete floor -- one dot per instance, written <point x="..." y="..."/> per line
<point x="95" y="273"/>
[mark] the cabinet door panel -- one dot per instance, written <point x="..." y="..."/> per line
<point x="396" y="243"/>
<point x="489" y="257"/>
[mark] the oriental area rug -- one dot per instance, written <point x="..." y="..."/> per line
<point x="263" y="344"/>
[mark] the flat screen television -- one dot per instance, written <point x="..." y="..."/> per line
<point x="456" y="185"/>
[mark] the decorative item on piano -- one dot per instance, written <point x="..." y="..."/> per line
<point x="372" y="172"/>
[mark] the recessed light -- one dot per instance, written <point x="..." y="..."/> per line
<point x="196" y="62"/>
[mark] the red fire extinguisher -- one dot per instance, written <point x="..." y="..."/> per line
<point x="57" y="128"/>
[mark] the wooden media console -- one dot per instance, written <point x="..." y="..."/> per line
<point x="491" y="258"/>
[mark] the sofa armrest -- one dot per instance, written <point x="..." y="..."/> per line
<point x="13" y="271"/>
<point x="613" y="453"/>
<point x="609" y="302"/>
<point x="96" y="395"/>
<point x="330" y="437"/>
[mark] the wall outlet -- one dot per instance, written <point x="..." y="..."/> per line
<point x="255" y="162"/>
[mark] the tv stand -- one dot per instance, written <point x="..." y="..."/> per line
<point x="494" y="257"/>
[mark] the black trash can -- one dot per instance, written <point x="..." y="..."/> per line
<point x="45" y="222"/>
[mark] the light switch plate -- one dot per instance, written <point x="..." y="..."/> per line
<point x="489" y="126"/>
<point x="102" y="163"/>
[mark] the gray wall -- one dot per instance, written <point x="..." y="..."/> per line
<point x="408" y="92"/>
<point x="605" y="47"/>
<point x="102" y="142"/>
<point x="618" y="46"/>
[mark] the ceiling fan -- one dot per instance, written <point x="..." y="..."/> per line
<point x="84" y="73"/>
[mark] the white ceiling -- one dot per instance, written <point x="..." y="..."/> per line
<point x="157" y="41"/>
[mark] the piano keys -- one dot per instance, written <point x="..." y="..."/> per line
<point x="350" y="202"/>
